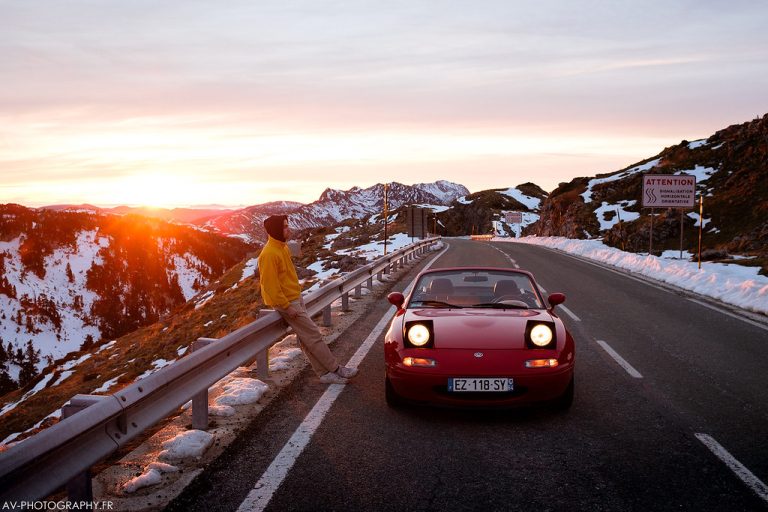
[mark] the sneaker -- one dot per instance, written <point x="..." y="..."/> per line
<point x="333" y="378"/>
<point x="346" y="371"/>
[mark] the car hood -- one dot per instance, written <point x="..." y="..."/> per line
<point x="478" y="328"/>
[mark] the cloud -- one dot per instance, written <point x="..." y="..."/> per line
<point x="251" y="90"/>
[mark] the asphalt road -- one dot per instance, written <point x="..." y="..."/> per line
<point x="633" y="439"/>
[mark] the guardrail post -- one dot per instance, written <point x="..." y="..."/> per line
<point x="358" y="291"/>
<point x="80" y="488"/>
<point x="200" y="400"/>
<point x="262" y="358"/>
<point x="327" y="322"/>
<point x="345" y="301"/>
<point x="369" y="284"/>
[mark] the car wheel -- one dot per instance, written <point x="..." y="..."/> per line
<point x="564" y="401"/>
<point x="392" y="398"/>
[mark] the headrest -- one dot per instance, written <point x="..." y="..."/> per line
<point x="506" y="287"/>
<point x="441" y="286"/>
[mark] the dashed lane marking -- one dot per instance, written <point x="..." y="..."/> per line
<point x="741" y="471"/>
<point x="622" y="362"/>
<point x="270" y="481"/>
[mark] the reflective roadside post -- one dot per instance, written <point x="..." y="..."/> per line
<point x="701" y="223"/>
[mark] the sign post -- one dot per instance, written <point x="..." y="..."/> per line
<point x="668" y="191"/>
<point x="701" y="224"/>
<point x="514" y="218"/>
<point x="386" y="214"/>
<point x="417" y="221"/>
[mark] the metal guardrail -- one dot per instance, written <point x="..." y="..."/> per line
<point x="94" y="426"/>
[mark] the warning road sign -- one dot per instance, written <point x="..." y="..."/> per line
<point x="669" y="191"/>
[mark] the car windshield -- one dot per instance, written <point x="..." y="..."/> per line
<point x="468" y="288"/>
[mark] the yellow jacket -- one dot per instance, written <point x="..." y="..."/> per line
<point x="279" y="282"/>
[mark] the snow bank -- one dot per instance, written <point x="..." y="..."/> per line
<point x="732" y="284"/>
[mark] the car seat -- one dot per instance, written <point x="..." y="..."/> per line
<point x="506" y="287"/>
<point x="440" y="288"/>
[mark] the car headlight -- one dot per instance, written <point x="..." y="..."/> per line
<point x="419" y="334"/>
<point x="541" y="335"/>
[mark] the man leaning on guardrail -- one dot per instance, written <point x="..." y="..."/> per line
<point x="281" y="291"/>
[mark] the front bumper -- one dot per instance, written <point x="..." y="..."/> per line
<point x="531" y="387"/>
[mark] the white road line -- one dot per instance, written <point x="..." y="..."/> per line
<point x="565" y="309"/>
<point x="270" y="481"/>
<point x="569" y="312"/>
<point x="622" y="362"/>
<point x="723" y="311"/>
<point x="509" y="258"/>
<point x="737" y="467"/>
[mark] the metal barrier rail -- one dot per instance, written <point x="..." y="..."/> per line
<point x="94" y="426"/>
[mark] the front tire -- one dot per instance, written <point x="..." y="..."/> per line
<point x="390" y="395"/>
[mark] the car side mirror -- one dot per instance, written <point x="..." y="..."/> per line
<point x="397" y="299"/>
<point x="555" y="299"/>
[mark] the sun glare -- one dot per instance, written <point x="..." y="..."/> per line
<point x="154" y="191"/>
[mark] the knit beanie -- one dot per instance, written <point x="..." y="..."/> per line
<point x="274" y="226"/>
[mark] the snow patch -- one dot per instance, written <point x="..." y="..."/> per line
<point x="532" y="203"/>
<point x="251" y="266"/>
<point x="241" y="391"/>
<point x="623" y="215"/>
<point x="587" y="196"/>
<point x="188" y="444"/>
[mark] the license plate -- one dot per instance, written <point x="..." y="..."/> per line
<point x="483" y="385"/>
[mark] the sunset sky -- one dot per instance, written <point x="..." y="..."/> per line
<point x="178" y="103"/>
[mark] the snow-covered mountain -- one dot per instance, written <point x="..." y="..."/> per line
<point x="69" y="279"/>
<point x="247" y="223"/>
<point x="334" y="206"/>
<point x="445" y="191"/>
<point x="337" y="205"/>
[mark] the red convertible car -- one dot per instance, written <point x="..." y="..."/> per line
<point x="478" y="337"/>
